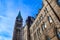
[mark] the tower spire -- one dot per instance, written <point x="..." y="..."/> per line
<point x="17" y="35"/>
<point x="19" y="16"/>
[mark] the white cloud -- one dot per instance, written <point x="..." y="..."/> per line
<point x="10" y="9"/>
<point x="6" y="25"/>
<point x="4" y="38"/>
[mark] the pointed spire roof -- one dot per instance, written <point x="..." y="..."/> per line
<point x="19" y="15"/>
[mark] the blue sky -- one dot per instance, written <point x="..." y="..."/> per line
<point x="9" y="10"/>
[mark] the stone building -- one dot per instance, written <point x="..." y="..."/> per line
<point x="47" y="24"/>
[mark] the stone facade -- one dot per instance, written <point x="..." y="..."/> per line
<point x="25" y="32"/>
<point x="29" y="22"/>
<point x="47" y="24"/>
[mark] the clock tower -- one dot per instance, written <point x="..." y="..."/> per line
<point x="18" y="29"/>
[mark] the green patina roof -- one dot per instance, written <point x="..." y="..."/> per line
<point x="19" y="15"/>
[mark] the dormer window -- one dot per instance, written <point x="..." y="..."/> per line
<point x="58" y="2"/>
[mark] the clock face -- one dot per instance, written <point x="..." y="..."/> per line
<point x="19" y="19"/>
<point x="58" y="2"/>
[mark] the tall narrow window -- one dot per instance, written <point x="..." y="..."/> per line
<point x="43" y="26"/>
<point x="58" y="2"/>
<point x="50" y="19"/>
<point x="38" y="33"/>
<point x="57" y="33"/>
<point x="48" y="38"/>
<point x="41" y="17"/>
<point x="37" y="23"/>
<point x="35" y="36"/>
